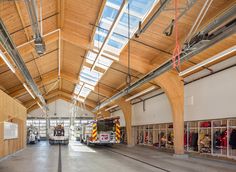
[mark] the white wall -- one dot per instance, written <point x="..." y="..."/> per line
<point x="61" y="108"/>
<point x="208" y="98"/>
<point x="213" y="97"/>
<point x="122" y="118"/>
<point x="157" y="110"/>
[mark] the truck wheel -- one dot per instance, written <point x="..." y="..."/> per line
<point x="87" y="143"/>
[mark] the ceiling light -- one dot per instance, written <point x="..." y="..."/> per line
<point x="11" y="49"/>
<point x="141" y="93"/>
<point x="4" y="58"/>
<point x="26" y="87"/>
<point x="40" y="105"/>
<point x="111" y="107"/>
<point x="210" y="60"/>
<point x="44" y="111"/>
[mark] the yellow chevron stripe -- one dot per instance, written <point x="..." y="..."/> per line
<point x="117" y="133"/>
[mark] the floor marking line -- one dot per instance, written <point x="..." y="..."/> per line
<point x="139" y="160"/>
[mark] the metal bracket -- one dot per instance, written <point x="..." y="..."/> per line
<point x="144" y="105"/>
<point x="189" y="5"/>
<point x="169" y="33"/>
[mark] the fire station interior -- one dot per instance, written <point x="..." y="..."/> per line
<point x="117" y="85"/>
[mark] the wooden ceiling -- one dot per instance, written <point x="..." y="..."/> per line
<point x="74" y="18"/>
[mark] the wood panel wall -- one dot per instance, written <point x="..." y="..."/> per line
<point x="12" y="111"/>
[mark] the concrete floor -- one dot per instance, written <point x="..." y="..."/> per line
<point x="76" y="157"/>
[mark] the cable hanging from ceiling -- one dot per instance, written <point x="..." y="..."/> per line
<point x="177" y="49"/>
<point x="128" y="80"/>
<point x="98" y="97"/>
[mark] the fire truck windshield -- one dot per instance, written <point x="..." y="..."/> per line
<point x="105" y="126"/>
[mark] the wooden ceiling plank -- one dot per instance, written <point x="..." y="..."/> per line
<point x="46" y="78"/>
<point x="61" y="12"/>
<point x="53" y="99"/>
<point x="28" y="48"/>
<point x="17" y="3"/>
<point x="61" y="93"/>
<point x="75" y="39"/>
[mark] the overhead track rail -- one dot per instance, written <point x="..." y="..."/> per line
<point x="11" y="49"/>
<point x="38" y="40"/>
<point x="153" y="18"/>
<point x="200" y="43"/>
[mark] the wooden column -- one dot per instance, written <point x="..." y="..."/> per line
<point x="127" y="111"/>
<point x="173" y="86"/>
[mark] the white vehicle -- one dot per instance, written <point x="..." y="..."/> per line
<point x="32" y="135"/>
<point x="103" y="131"/>
<point x="58" y="136"/>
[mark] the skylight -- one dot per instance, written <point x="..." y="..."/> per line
<point x="80" y="99"/>
<point x="89" y="77"/>
<point x="139" y="9"/>
<point x="84" y="92"/>
<point x="77" y="89"/>
<point x="115" y="2"/>
<point x="103" y="62"/>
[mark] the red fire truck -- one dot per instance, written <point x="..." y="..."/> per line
<point x="104" y="131"/>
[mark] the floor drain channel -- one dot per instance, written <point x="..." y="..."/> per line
<point x="59" y="159"/>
